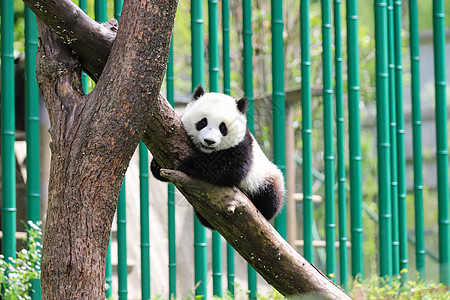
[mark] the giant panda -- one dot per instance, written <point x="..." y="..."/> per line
<point x="227" y="153"/>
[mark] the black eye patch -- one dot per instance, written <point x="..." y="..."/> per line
<point x="223" y="129"/>
<point x="201" y="124"/>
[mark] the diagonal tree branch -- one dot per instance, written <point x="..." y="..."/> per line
<point x="229" y="210"/>
<point x="160" y="128"/>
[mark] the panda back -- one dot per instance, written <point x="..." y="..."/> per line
<point x="262" y="171"/>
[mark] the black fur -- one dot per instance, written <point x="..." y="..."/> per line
<point x="225" y="167"/>
<point x="198" y="92"/>
<point x="267" y="200"/>
<point x="242" y="105"/>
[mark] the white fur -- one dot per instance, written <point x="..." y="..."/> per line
<point x="261" y="169"/>
<point x="217" y="108"/>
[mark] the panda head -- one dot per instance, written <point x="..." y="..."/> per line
<point x="215" y="121"/>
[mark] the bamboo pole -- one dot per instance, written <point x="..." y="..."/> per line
<point x="441" y="140"/>
<point x="8" y="131"/>
<point x="122" y="268"/>
<point x="330" y="223"/>
<point x="213" y="54"/>
<point x="278" y="101"/>
<point x="393" y="140"/>
<point x="200" y="245"/>
<point x="417" y="137"/>
<point x="306" y="131"/>
<point x="227" y="90"/>
<point x="248" y="92"/>
<point x="354" y="125"/>
<point x="383" y="143"/>
<point x="108" y="271"/>
<point x="84" y="77"/>
<point x="171" y="193"/>
<point x="403" y="229"/>
<point x="32" y="129"/>
<point x="340" y="146"/>
<point x="144" y="221"/>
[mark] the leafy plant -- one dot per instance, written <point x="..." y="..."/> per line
<point x="393" y="288"/>
<point x="17" y="274"/>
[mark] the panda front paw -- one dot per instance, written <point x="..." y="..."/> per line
<point x="190" y="166"/>
<point x="156" y="170"/>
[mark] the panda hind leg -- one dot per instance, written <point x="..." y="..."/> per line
<point x="268" y="200"/>
<point x="203" y="221"/>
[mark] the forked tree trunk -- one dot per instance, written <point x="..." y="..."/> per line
<point x="93" y="139"/>
<point x="95" y="135"/>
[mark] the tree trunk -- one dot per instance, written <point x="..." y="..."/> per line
<point x="94" y="136"/>
<point x="93" y="139"/>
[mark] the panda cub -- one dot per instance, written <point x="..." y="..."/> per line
<point x="228" y="155"/>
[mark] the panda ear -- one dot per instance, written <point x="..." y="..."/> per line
<point x="198" y="92"/>
<point x="242" y="105"/>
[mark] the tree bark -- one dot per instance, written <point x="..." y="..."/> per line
<point x="94" y="136"/>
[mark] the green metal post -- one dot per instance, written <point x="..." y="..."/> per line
<point x="403" y="229"/>
<point x="145" y="221"/>
<point x="100" y="10"/>
<point x="117" y="9"/>
<point x="383" y="146"/>
<point x="417" y="137"/>
<point x="8" y="131"/>
<point x="330" y="223"/>
<point x="340" y="146"/>
<point x="213" y="55"/>
<point x="84" y="77"/>
<point x="441" y="140"/>
<point x="122" y="268"/>
<point x="248" y="61"/>
<point x="32" y="129"/>
<point x="108" y="271"/>
<point x="306" y="131"/>
<point x="393" y="140"/>
<point x="354" y="125"/>
<point x="200" y="245"/>
<point x="227" y="90"/>
<point x="278" y="105"/>
<point x="248" y="92"/>
<point x="171" y="193"/>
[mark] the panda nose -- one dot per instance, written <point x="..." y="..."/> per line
<point x="209" y="142"/>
